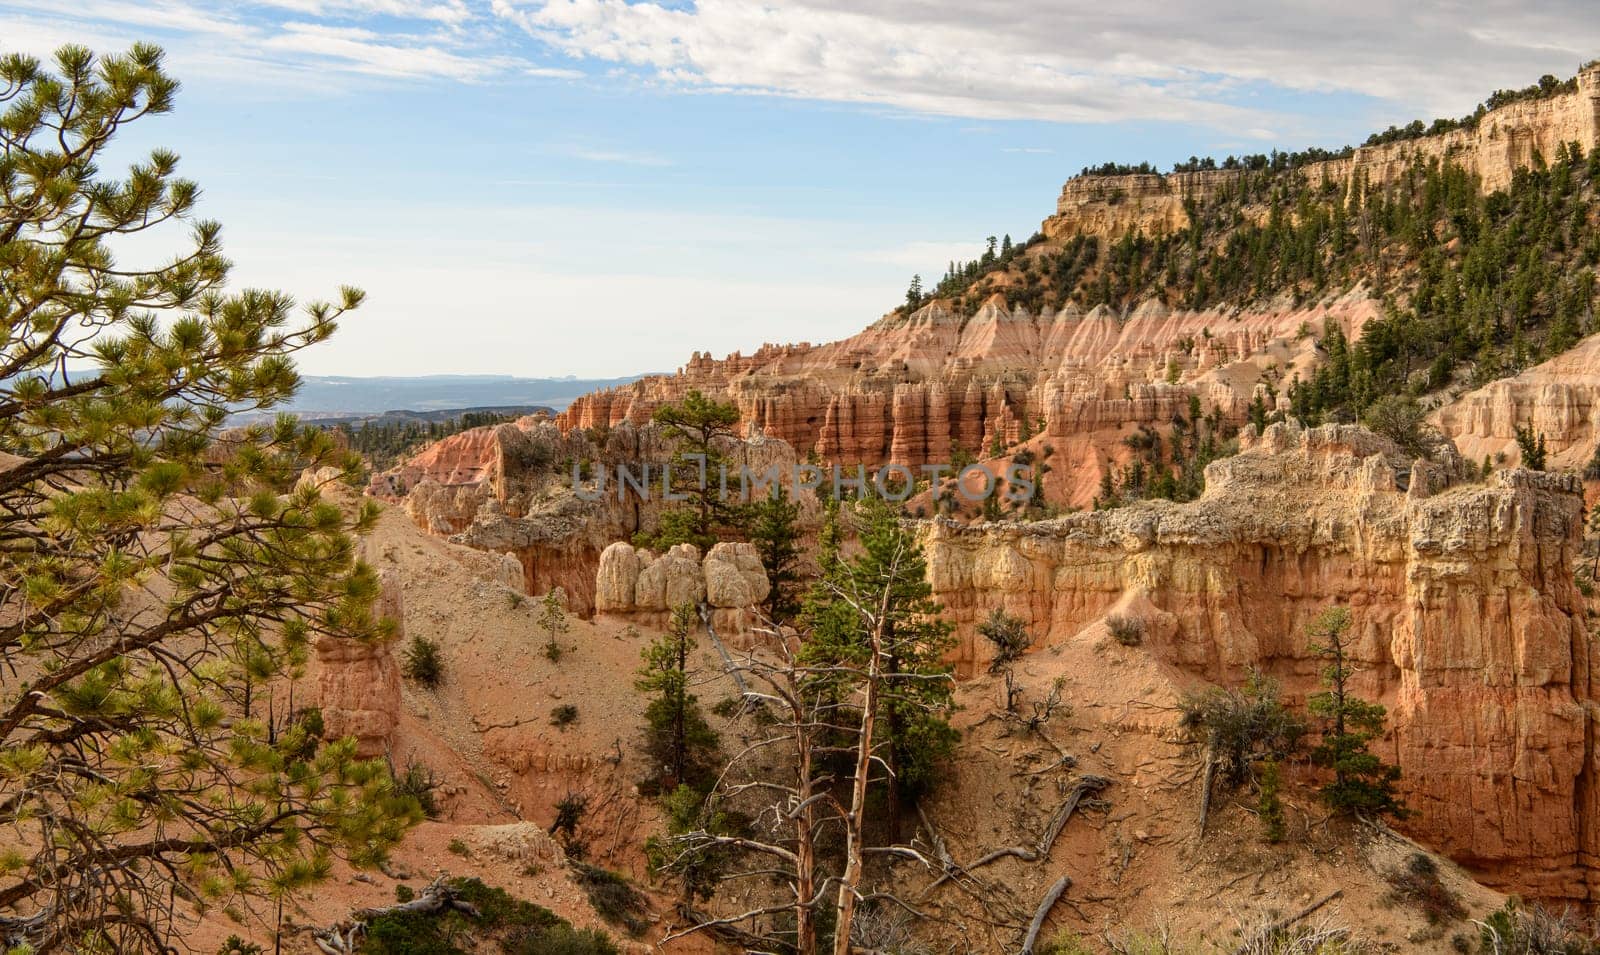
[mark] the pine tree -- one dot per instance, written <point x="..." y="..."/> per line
<point x="918" y="695"/>
<point x="1362" y="783"/>
<point x="698" y="426"/>
<point x="157" y="577"/>
<point x="1531" y="444"/>
<point x="678" y="739"/>
<point x="553" y="621"/>
<point x="775" y="530"/>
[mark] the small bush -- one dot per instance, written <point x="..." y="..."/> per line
<point x="238" y="946"/>
<point x="569" y="816"/>
<point x="417" y="782"/>
<point x="459" y="848"/>
<point x="1128" y="631"/>
<point x="1270" y="805"/>
<point x="613" y="898"/>
<point x="563" y="716"/>
<point x="1516" y="929"/>
<point x="424" y="663"/>
<point x="1418" y="885"/>
<point x="404" y="893"/>
<point x="515" y="927"/>
<point x="1008" y="634"/>
<point x="1241" y="726"/>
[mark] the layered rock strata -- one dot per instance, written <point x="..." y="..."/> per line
<point x="509" y="490"/>
<point x="1468" y="625"/>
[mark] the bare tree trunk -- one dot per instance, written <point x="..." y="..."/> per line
<point x="854" y="823"/>
<point x="805" y="881"/>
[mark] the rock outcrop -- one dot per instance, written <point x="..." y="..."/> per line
<point x="635" y="583"/>
<point x="1503" y="141"/>
<point x="1559" y="399"/>
<point x="358" y="681"/>
<point x="509" y="489"/>
<point x="1469" y="626"/>
<point x="918" y="390"/>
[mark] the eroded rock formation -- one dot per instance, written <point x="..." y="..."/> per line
<point x="918" y="390"/>
<point x="1559" y="399"/>
<point x="1503" y="141"/>
<point x="358" y="681"/>
<point x="509" y="489"/>
<point x="1469" y="625"/>
<point x="635" y="583"/>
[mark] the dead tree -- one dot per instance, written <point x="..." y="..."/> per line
<point x="438" y="898"/>
<point x="820" y="706"/>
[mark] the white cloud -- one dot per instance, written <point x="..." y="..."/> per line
<point x="553" y="73"/>
<point x="246" y="43"/>
<point x="1075" y="60"/>
<point x="363" y="51"/>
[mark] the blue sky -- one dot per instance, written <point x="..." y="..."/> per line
<point x="596" y="187"/>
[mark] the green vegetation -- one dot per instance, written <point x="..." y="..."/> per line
<point x="1171" y="467"/>
<point x="681" y="745"/>
<point x="915" y="701"/>
<point x="775" y="530"/>
<point x="423" y="663"/>
<point x="613" y="898"/>
<point x="698" y="427"/>
<point x="155" y="574"/>
<point x="515" y="926"/>
<point x="1009" y="635"/>
<point x="1362" y="783"/>
<point x="385" y="443"/>
<point x="563" y="715"/>
<point x="418" y="782"/>
<point x="553" y="621"/>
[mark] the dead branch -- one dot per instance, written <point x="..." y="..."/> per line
<point x="1086" y="783"/>
<point x="1205" y="787"/>
<point x="345" y="938"/>
<point x="1049" y="902"/>
<point x="1275" y="927"/>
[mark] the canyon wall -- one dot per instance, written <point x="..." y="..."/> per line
<point x="1504" y="140"/>
<point x="914" y="390"/>
<point x="1468" y="625"/>
<point x="508" y="489"/>
<point x="1559" y="399"/>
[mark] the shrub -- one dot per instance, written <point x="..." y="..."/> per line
<point x="459" y="848"/>
<point x="404" y="893"/>
<point x="563" y="716"/>
<point x="1241" y="726"/>
<point x="1418" y="885"/>
<point x="238" y="946"/>
<point x="1270" y="805"/>
<point x="424" y="663"/>
<point x="519" y="928"/>
<point x="1008" y="634"/>
<point x="613" y="898"/>
<point x="569" y="816"/>
<point x="418" y="782"/>
<point x="1516" y="929"/>
<point x="1128" y="631"/>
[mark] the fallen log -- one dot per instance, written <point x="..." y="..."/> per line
<point x="345" y="938"/>
<point x="1050" y="899"/>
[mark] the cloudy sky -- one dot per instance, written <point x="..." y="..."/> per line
<point x="599" y="187"/>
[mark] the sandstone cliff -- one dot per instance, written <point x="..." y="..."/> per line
<point x="509" y="490"/>
<point x="913" y="391"/>
<point x="1559" y="399"/>
<point x="1504" y="140"/>
<point x="1470" y="627"/>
